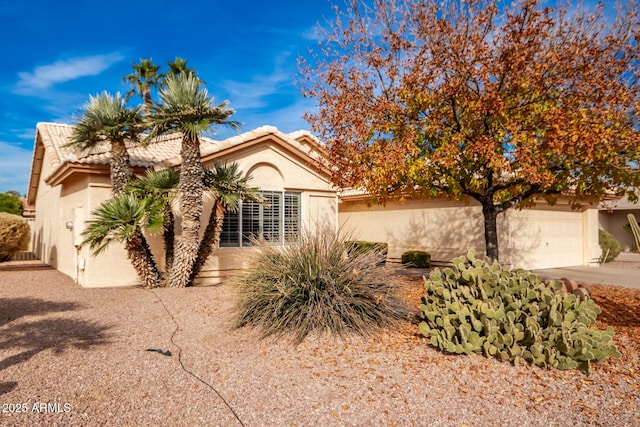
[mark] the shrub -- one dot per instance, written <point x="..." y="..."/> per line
<point x="315" y="287"/>
<point x="609" y="245"/>
<point x="14" y="235"/>
<point x="419" y="259"/>
<point x="475" y="307"/>
<point x="11" y="203"/>
<point x="356" y="247"/>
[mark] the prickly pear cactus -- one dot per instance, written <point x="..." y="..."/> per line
<point x="477" y="307"/>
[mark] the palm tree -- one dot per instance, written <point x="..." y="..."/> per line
<point x="177" y="67"/>
<point x="160" y="188"/>
<point x="107" y="119"/>
<point x="229" y="187"/>
<point x="122" y="219"/>
<point x="143" y="79"/>
<point x="185" y="107"/>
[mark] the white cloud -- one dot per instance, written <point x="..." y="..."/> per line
<point x="316" y="33"/>
<point x="45" y="76"/>
<point x="15" y="165"/>
<point x="287" y="119"/>
<point x="251" y="94"/>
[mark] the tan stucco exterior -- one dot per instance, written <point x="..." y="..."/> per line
<point x="539" y="237"/>
<point x="66" y="187"/>
<point x="66" y="190"/>
<point x="61" y="212"/>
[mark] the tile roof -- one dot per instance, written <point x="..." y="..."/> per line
<point x="162" y="151"/>
<point x="56" y="136"/>
<point x="618" y="203"/>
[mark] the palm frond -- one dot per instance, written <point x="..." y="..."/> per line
<point x="106" y="118"/>
<point x="229" y="186"/>
<point x="144" y="77"/>
<point x="120" y="219"/>
<point x="186" y="107"/>
<point x="160" y="181"/>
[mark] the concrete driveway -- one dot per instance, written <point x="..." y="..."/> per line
<point x="623" y="271"/>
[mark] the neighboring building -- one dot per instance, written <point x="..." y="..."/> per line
<point x="613" y="215"/>
<point x="66" y="187"/>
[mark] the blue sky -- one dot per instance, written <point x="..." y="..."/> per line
<point x="58" y="52"/>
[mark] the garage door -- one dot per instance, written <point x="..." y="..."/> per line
<point x="535" y="239"/>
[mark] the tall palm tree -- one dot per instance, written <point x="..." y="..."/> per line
<point x="143" y="79"/>
<point x="228" y="187"/>
<point x="185" y="107"/>
<point x="122" y="219"/>
<point x="160" y="188"/>
<point x="107" y="119"/>
<point x="177" y="67"/>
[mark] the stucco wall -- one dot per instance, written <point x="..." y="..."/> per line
<point x="61" y="215"/>
<point x="273" y="168"/>
<point x="613" y="223"/>
<point x="48" y="226"/>
<point x="111" y="268"/>
<point x="544" y="237"/>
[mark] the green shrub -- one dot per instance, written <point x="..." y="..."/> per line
<point x="418" y="259"/>
<point x="609" y="245"/>
<point x="356" y="247"/>
<point x="315" y="287"/>
<point x="14" y="235"/>
<point x="475" y="307"/>
<point x="11" y="203"/>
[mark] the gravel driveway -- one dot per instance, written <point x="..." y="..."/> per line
<point x="130" y="357"/>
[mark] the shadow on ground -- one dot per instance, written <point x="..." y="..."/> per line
<point x="23" y="338"/>
<point x="12" y="309"/>
<point x="619" y="311"/>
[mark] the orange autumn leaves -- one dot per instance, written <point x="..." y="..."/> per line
<point x="479" y="99"/>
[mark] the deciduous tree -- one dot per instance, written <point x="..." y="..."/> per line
<point x="501" y="102"/>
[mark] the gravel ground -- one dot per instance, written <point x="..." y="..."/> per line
<point x="88" y="357"/>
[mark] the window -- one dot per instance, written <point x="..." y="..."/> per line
<point x="277" y="221"/>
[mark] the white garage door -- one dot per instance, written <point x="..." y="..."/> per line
<point x="535" y="239"/>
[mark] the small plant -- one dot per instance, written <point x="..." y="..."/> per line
<point x="357" y="247"/>
<point x="418" y="259"/>
<point x="609" y="245"/>
<point x="316" y="287"/>
<point x="477" y="307"/>
<point x="14" y="235"/>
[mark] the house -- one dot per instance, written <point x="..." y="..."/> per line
<point x="66" y="186"/>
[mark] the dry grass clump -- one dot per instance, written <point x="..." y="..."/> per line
<point x="316" y="286"/>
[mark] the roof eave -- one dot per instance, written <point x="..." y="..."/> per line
<point x="69" y="168"/>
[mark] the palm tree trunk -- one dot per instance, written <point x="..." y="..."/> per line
<point x="121" y="171"/>
<point x="190" y="198"/>
<point x="210" y="239"/>
<point x="142" y="260"/>
<point x="169" y="236"/>
<point x="138" y="250"/>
